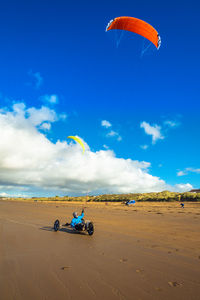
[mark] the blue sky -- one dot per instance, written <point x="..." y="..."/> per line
<point x="57" y="55"/>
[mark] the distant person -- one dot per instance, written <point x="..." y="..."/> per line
<point x="77" y="222"/>
<point x="182" y="205"/>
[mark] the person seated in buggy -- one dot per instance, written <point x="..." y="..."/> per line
<point x="77" y="222"/>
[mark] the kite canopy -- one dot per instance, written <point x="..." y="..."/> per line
<point x="78" y="140"/>
<point x="137" y="26"/>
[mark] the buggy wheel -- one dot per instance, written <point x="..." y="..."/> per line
<point x="90" y="228"/>
<point x="56" y="226"/>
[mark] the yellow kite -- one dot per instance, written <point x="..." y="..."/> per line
<point x="78" y="140"/>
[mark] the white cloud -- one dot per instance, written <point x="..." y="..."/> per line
<point x="182" y="187"/>
<point x="112" y="133"/>
<point x="19" y="108"/>
<point x="144" y="147"/>
<point x="63" y="116"/>
<point x="45" y="126"/>
<point x="115" y="134"/>
<point x="3" y="194"/>
<point x="106" y="124"/>
<point x="119" y="138"/>
<point x="52" y="99"/>
<point x="181" y="173"/>
<point x="38" y="116"/>
<point x="29" y="160"/>
<point x="172" y="123"/>
<point x="154" y="131"/>
<point x="188" y="170"/>
<point x="37" y="79"/>
<point x="193" y="170"/>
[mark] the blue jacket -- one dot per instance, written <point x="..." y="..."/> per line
<point x="77" y="220"/>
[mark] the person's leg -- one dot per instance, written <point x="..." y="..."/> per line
<point x="79" y="226"/>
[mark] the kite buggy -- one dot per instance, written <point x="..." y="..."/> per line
<point x="77" y="224"/>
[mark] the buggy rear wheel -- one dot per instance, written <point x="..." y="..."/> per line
<point x="56" y="226"/>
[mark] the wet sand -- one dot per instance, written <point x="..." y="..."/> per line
<point x="148" y="251"/>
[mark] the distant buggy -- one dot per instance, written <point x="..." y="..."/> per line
<point x="130" y="202"/>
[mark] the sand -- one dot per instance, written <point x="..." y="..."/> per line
<point x="149" y="251"/>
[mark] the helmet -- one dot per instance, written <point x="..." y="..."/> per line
<point x="75" y="215"/>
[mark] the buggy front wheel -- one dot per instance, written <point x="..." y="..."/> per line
<point x="90" y="228"/>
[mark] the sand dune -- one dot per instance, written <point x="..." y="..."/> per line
<point x="149" y="251"/>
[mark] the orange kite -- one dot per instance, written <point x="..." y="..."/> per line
<point x="137" y="26"/>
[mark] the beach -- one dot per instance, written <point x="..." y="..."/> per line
<point x="147" y="251"/>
